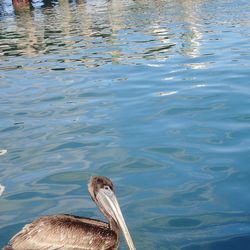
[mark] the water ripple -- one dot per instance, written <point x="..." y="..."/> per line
<point x="153" y="94"/>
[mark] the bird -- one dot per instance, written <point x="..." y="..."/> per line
<point x="70" y="232"/>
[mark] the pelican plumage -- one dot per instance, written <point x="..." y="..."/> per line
<point x="69" y="232"/>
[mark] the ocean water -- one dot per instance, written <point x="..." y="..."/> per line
<point x="153" y="94"/>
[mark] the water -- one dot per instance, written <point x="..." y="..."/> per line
<point x="153" y="94"/>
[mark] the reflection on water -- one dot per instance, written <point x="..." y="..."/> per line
<point x="2" y="188"/>
<point x="153" y="94"/>
<point x="85" y="25"/>
<point x="3" y="151"/>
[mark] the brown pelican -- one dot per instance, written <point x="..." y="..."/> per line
<point x="68" y="232"/>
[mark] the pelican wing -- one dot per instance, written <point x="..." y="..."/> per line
<point x="65" y="232"/>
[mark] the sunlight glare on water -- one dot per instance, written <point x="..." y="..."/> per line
<point x="153" y="94"/>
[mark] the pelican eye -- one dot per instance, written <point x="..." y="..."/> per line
<point x="107" y="187"/>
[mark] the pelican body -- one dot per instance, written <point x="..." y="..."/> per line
<point x="69" y="232"/>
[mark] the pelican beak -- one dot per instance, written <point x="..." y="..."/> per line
<point x="107" y="199"/>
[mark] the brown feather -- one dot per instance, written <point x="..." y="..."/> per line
<point x="65" y="232"/>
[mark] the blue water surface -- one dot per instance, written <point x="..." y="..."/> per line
<point x="153" y="94"/>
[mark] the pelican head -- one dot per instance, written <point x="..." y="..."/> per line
<point x="102" y="192"/>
